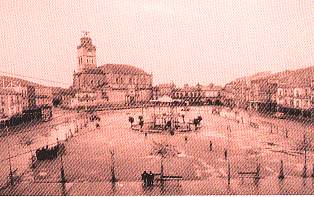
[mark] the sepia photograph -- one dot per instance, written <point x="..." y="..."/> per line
<point x="156" y="97"/>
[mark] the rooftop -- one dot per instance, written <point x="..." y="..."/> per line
<point x="122" y="69"/>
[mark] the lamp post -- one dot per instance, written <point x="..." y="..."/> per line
<point x="305" y="147"/>
<point x="11" y="176"/>
<point x="112" y="169"/>
<point x="228" y="160"/>
<point x="63" y="178"/>
<point x="281" y="175"/>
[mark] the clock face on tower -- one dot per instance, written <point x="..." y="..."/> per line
<point x="89" y="53"/>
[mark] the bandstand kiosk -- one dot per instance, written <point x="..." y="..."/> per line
<point x="165" y="117"/>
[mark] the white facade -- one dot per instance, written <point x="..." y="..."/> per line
<point x="295" y="97"/>
<point x="13" y="100"/>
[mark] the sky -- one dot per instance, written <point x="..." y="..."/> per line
<point x="180" y="41"/>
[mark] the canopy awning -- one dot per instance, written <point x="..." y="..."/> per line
<point x="165" y="99"/>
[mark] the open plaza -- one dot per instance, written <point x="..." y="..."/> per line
<point x="231" y="152"/>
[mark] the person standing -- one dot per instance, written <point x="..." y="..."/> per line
<point x="226" y="154"/>
<point x="210" y="146"/>
<point x="144" y="178"/>
<point x="151" y="178"/>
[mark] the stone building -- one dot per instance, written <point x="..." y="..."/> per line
<point x="296" y="98"/>
<point x="36" y="95"/>
<point x="39" y="96"/>
<point x="13" y="101"/>
<point x="238" y="93"/>
<point x="211" y="94"/>
<point x="263" y="94"/>
<point x="165" y="89"/>
<point x="188" y="94"/>
<point x="198" y="94"/>
<point x="107" y="84"/>
<point x="295" y="92"/>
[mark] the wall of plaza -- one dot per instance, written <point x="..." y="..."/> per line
<point x="291" y="92"/>
<point x="18" y="96"/>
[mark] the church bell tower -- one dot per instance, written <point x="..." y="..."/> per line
<point x="86" y="53"/>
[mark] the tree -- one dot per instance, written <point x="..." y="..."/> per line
<point x="141" y="121"/>
<point x="197" y="121"/>
<point x="131" y="120"/>
<point x="56" y="102"/>
<point x="163" y="150"/>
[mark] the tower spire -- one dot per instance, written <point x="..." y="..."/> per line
<point x="86" y="53"/>
<point x="85" y="33"/>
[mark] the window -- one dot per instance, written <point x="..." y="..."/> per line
<point x="297" y="93"/>
<point x="306" y="92"/>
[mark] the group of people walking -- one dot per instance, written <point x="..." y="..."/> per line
<point x="148" y="178"/>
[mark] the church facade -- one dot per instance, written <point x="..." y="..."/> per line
<point x="107" y="84"/>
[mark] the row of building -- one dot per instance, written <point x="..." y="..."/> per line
<point x="289" y="92"/>
<point x="119" y="84"/>
<point x="18" y="96"/>
<point x="194" y="95"/>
